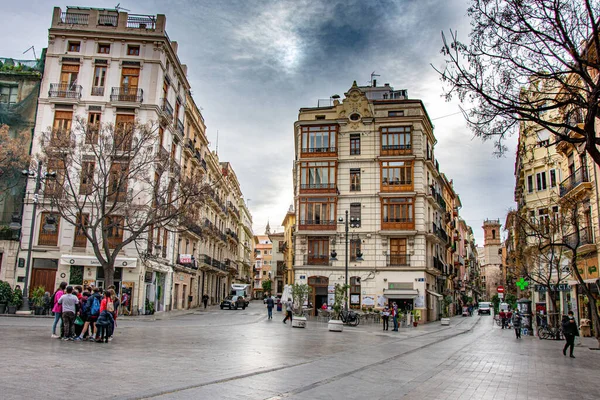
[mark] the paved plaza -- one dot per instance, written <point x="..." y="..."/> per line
<point x="222" y="354"/>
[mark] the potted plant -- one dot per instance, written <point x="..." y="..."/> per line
<point x="15" y="302"/>
<point x="416" y="316"/>
<point x="149" y="307"/>
<point x="300" y="292"/>
<point x="446" y="301"/>
<point x="339" y="298"/>
<point x="38" y="300"/>
<point x="5" y="296"/>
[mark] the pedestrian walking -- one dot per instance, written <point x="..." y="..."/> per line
<point x="516" y="322"/>
<point x="385" y="316"/>
<point x="502" y="316"/>
<point x="289" y="307"/>
<point x="205" y="300"/>
<point x="70" y="305"/>
<point x="57" y="309"/>
<point x="395" y="316"/>
<point x="270" y="305"/>
<point x="569" y="327"/>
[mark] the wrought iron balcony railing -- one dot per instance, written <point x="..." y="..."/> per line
<point x="129" y="94"/>
<point x="394" y="260"/>
<point x="575" y="179"/>
<point x="65" y="90"/>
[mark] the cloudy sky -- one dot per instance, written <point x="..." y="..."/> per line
<point x="252" y="64"/>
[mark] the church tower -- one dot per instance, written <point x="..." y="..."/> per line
<point x="268" y="229"/>
<point x="491" y="230"/>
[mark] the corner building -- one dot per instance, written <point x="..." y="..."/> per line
<point x="371" y="154"/>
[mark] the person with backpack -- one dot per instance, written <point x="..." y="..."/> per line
<point x="84" y="315"/>
<point x="70" y="305"/>
<point x="105" y="319"/>
<point x="57" y="308"/>
<point x="92" y="312"/>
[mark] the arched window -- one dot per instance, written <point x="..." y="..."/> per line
<point x="493" y="234"/>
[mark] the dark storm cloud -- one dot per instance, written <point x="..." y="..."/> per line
<point x="252" y="64"/>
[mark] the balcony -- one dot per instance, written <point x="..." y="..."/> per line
<point x="396" y="149"/>
<point x="179" y="127"/>
<point x="189" y="263"/>
<point x="440" y="233"/>
<point x="318" y="188"/>
<point x="136" y="21"/>
<point x="438" y="264"/>
<point x="65" y="91"/>
<point x="317" y="224"/>
<point x="127" y="94"/>
<point x="586" y="237"/>
<point x="576" y="183"/>
<point x="397" y="224"/>
<point x="438" y="198"/>
<point x="397" y="260"/>
<point x="166" y="108"/>
<point x="97" y="90"/>
<point x="233" y="209"/>
<point x="316" y="259"/>
<point x="396" y="185"/>
<point x="319" y="152"/>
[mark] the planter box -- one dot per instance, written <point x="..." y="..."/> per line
<point x="335" y="325"/>
<point x="299" y="322"/>
<point x="445" y="321"/>
<point x="2" y="308"/>
<point x="12" y="309"/>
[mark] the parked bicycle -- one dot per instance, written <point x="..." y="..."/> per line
<point x="349" y="317"/>
<point x="548" y="332"/>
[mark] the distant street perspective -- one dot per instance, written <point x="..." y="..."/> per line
<point x="291" y="199"/>
<point x="241" y="354"/>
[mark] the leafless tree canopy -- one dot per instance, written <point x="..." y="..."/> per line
<point x="546" y="49"/>
<point x="14" y="157"/>
<point x="117" y="184"/>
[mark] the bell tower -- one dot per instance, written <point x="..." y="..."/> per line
<point x="491" y="230"/>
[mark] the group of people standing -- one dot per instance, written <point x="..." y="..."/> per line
<point x="88" y="313"/>
<point x="393" y="313"/>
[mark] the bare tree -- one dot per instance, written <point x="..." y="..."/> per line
<point x="526" y="60"/>
<point x="118" y="186"/>
<point x="549" y="249"/>
<point x="14" y="156"/>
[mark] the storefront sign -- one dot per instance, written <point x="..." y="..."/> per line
<point x="562" y="287"/>
<point x="368" y="300"/>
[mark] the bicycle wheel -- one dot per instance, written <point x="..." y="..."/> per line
<point x="539" y="332"/>
<point x="545" y="334"/>
<point x="355" y="322"/>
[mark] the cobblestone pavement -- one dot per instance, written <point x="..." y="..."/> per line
<point x="239" y="354"/>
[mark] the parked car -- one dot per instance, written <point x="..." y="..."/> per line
<point x="233" y="302"/>
<point x="484" y="308"/>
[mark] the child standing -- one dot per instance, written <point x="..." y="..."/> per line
<point x="69" y="303"/>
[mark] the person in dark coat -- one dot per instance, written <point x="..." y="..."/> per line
<point x="569" y="327"/>
<point x="516" y="321"/>
<point x="270" y="305"/>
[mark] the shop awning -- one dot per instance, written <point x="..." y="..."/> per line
<point x="400" y="293"/>
<point x="439" y="296"/>
<point x="91" y="261"/>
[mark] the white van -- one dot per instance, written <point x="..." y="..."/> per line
<point x="484" y="308"/>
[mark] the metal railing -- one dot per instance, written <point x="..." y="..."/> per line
<point x="586" y="236"/>
<point x="396" y="147"/>
<point x="167" y="107"/>
<point x="355" y="187"/>
<point x="319" y="150"/>
<point x="74" y="19"/>
<point x="130" y="94"/>
<point x="179" y="126"/>
<point x="321" y="222"/>
<point x="318" y="186"/>
<point x="396" y="181"/>
<point x="97" y="90"/>
<point x="440" y="232"/>
<point x="316" y="259"/>
<point x="398" y="260"/>
<point x="107" y="20"/>
<point x="65" y="90"/>
<point x="575" y="179"/>
<point x="438" y="264"/>
<point x="137" y="21"/>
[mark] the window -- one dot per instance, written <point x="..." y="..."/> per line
<point x="80" y="239"/>
<point x="396" y="113"/>
<point x="113" y="226"/>
<point x="86" y="184"/>
<point x="68" y="76"/>
<point x="395" y="140"/>
<point x="104" y="48"/>
<point x="54" y="186"/>
<point x="398" y="253"/>
<point x="8" y="94"/>
<point x="317" y="175"/>
<point x="355" y="179"/>
<point x="530" y="183"/>
<point x="130" y="79"/>
<point x="133" y="50"/>
<point x="355" y="214"/>
<point x="354" y="145"/>
<point x="355" y="292"/>
<point x="553" y="178"/>
<point x="74" y="46"/>
<point x="319" y="139"/>
<point x="540" y="179"/>
<point x="396" y="175"/>
<point x="93" y="128"/>
<point x="99" y="81"/>
<point x="318" y="213"/>
<point x="355" y="249"/>
<point x="61" y="131"/>
<point x="318" y="250"/>
<point x="123" y="132"/>
<point x="397" y="213"/>
<point x="49" y="227"/>
<point x="544" y="220"/>
<point x="117" y="182"/>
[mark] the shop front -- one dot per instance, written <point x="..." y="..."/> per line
<point x="156" y="288"/>
<point x="183" y="294"/>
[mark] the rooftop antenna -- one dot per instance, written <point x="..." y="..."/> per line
<point x="118" y="7"/>
<point x="32" y="49"/>
<point x="374" y="81"/>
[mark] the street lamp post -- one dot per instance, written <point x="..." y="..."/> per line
<point x="354" y="222"/>
<point x="38" y="181"/>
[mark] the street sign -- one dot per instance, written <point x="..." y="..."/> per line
<point x="500" y="289"/>
<point x="500" y="296"/>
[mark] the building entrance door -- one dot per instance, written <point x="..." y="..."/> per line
<point x="43" y="277"/>
<point x="318" y="294"/>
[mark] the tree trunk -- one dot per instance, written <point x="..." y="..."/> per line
<point x="109" y="275"/>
